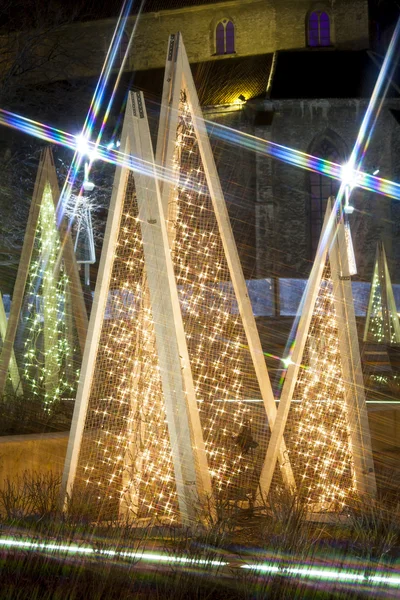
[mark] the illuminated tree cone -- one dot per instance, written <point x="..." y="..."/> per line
<point x="46" y="289"/>
<point x="225" y="353"/>
<point x="382" y="323"/>
<point x="136" y="448"/>
<point x="319" y="441"/>
<point x="49" y="348"/>
<point x="322" y="407"/>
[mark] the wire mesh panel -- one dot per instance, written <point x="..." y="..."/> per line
<point x="235" y="427"/>
<point x="318" y="433"/>
<point x="125" y="463"/>
<point x="382" y="322"/>
<point x="47" y="340"/>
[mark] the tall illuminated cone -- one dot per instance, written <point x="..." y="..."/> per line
<point x="136" y="446"/>
<point x="322" y="407"/>
<point x="225" y="353"/>
<point x="382" y="323"/>
<point x="47" y="273"/>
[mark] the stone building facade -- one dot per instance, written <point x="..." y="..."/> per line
<point x="295" y="72"/>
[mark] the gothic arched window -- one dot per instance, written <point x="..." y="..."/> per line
<point x="225" y="37"/>
<point x="319" y="29"/>
<point x="321" y="187"/>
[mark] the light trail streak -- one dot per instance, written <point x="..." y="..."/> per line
<point x="50" y="134"/>
<point x="321" y="573"/>
<point x="78" y="550"/>
<point x="327" y="574"/>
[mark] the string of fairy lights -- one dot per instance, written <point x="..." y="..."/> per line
<point x="319" y="437"/>
<point x="220" y="361"/>
<point x="125" y="463"/>
<point x="49" y="347"/>
<point x="377" y="330"/>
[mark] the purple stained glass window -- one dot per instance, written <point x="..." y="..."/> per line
<point x="230" y="38"/>
<point x="313" y="29"/>
<point x="324" y="30"/>
<point x="220" y="39"/>
<point x="319" y="29"/>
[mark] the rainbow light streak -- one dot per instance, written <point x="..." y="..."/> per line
<point x="306" y="161"/>
<point x="305" y="571"/>
<point x="62" y="138"/>
<point x="369" y="120"/>
<point x="94" y="109"/>
<point x="327" y="574"/>
<point x="362" y="180"/>
<point x="76" y="550"/>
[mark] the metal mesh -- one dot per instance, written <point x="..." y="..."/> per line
<point x="50" y="355"/>
<point x="318" y="430"/>
<point x="125" y="464"/>
<point x="233" y="419"/>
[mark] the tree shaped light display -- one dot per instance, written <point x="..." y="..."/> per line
<point x="46" y="289"/>
<point x="322" y="406"/>
<point x="161" y="421"/>
<point x="382" y="322"/>
<point x="225" y="352"/>
<point x="136" y="445"/>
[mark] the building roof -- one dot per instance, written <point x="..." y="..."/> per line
<point x="322" y="73"/>
<point x="297" y="74"/>
<point x="217" y="81"/>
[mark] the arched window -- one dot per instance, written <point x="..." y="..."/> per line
<point x="225" y="37"/>
<point x="319" y="29"/>
<point x="321" y="187"/>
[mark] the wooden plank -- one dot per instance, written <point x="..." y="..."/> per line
<point x="371" y="297"/>
<point x="12" y="367"/>
<point x="351" y="367"/>
<point x="71" y="266"/>
<point x="191" y="469"/>
<point x="308" y="304"/>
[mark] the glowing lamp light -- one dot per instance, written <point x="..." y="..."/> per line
<point x="240" y="100"/>
<point x="286" y="361"/>
<point x="84" y="147"/>
<point x="349" y="175"/>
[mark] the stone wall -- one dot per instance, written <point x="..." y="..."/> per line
<point x="261" y="26"/>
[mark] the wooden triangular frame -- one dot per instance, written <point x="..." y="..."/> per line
<point x="192" y="477"/>
<point x="388" y="309"/>
<point x="13" y="366"/>
<point x="332" y="247"/>
<point x="178" y="78"/>
<point x="46" y="175"/>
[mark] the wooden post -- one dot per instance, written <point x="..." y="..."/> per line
<point x="179" y="78"/>
<point x="180" y="398"/>
<point x="310" y="297"/>
<point x="351" y="366"/>
<point x="12" y="367"/>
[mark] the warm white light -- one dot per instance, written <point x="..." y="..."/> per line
<point x="349" y="175"/>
